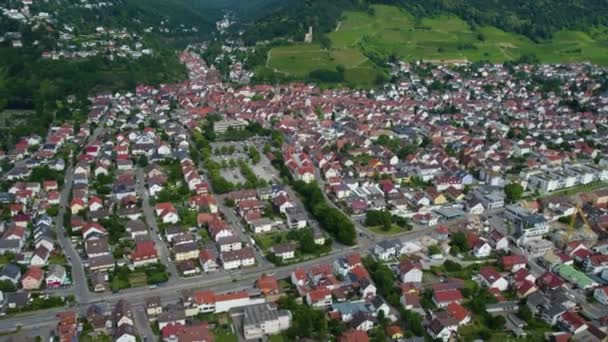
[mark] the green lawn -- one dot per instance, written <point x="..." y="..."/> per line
<point x="299" y="59"/>
<point x="97" y="338"/>
<point x="58" y="259"/>
<point x="6" y="259"/>
<point x="267" y="240"/>
<point x="118" y="284"/>
<point x="276" y="338"/>
<point x="443" y="38"/>
<point x="138" y="278"/>
<point x="395" y="229"/>
<point x="224" y="335"/>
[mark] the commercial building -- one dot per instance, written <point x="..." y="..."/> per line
<point x="264" y="319"/>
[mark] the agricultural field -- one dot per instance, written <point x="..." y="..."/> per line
<point x="390" y="30"/>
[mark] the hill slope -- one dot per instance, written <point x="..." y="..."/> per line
<point x="364" y="38"/>
<point x="536" y="19"/>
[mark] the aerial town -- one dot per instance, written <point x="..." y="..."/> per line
<point x="459" y="202"/>
<point x="70" y="40"/>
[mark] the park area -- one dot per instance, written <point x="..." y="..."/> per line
<point x="390" y="30"/>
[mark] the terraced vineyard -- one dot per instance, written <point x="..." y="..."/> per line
<point x="390" y="30"/>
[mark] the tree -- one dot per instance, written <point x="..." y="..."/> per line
<point x="142" y="161"/>
<point x="413" y="321"/>
<point x="7" y="286"/>
<point x="330" y="219"/>
<point x="451" y="266"/>
<point x="254" y="154"/>
<point x="306" y="322"/>
<point x="495" y="322"/>
<point x="434" y="250"/>
<point x="514" y="191"/>
<point x="459" y="242"/>
<point x="305" y="240"/>
<point x="382" y="276"/>
<point x="525" y="313"/>
<point x="52" y="211"/>
<point x="402" y="222"/>
<point x="381" y="218"/>
<point x="378" y="334"/>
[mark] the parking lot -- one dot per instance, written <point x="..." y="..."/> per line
<point x="264" y="169"/>
<point x="232" y="175"/>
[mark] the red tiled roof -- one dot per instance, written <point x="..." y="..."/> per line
<point x="490" y="274"/>
<point x="457" y="311"/>
<point x="231" y="296"/>
<point x="354" y="336"/>
<point x="447" y="296"/>
<point x="34" y="272"/>
<point x="319" y="294"/>
<point x="144" y="250"/>
<point x="204" y="297"/>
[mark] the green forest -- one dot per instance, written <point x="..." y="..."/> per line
<point x="535" y="19"/>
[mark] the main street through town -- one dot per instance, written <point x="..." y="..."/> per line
<point x="171" y="292"/>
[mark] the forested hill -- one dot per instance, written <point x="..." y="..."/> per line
<point x="536" y="19"/>
<point x="52" y="49"/>
<point x="291" y="18"/>
<point x="83" y="61"/>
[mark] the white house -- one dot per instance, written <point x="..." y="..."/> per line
<point x="410" y="272"/>
<point x="154" y="189"/>
<point x="438" y="331"/>
<point x="319" y="298"/>
<point x="490" y="278"/>
<point x="482" y="249"/>
<point x="262" y="225"/>
<point x="40" y="257"/>
<point x="387" y="249"/>
<point x="125" y="333"/>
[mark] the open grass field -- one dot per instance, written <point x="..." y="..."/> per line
<point x="391" y="30"/>
<point x="395" y="229"/>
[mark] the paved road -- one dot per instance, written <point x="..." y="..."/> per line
<point x="153" y="227"/>
<point x="80" y="288"/>
<point x="80" y="285"/>
<point x="221" y="281"/>
<point x="142" y="325"/>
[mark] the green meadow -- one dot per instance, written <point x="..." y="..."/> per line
<point x="390" y="30"/>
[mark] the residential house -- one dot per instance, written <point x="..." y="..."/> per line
<point x="208" y="260"/>
<point x="144" y="254"/>
<point x="284" y="251"/>
<point x="32" y="278"/>
<point x="513" y="263"/>
<point x="490" y="278"/>
<point x="122" y="313"/>
<point x="443" y="298"/>
<point x="234" y="259"/>
<point x="319" y="298"/>
<point x="10" y="272"/>
<point x="410" y="271"/>
<point x="186" y="251"/>
<point x="387" y="249"/>
<point x="56" y="276"/>
<point x="441" y="329"/>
